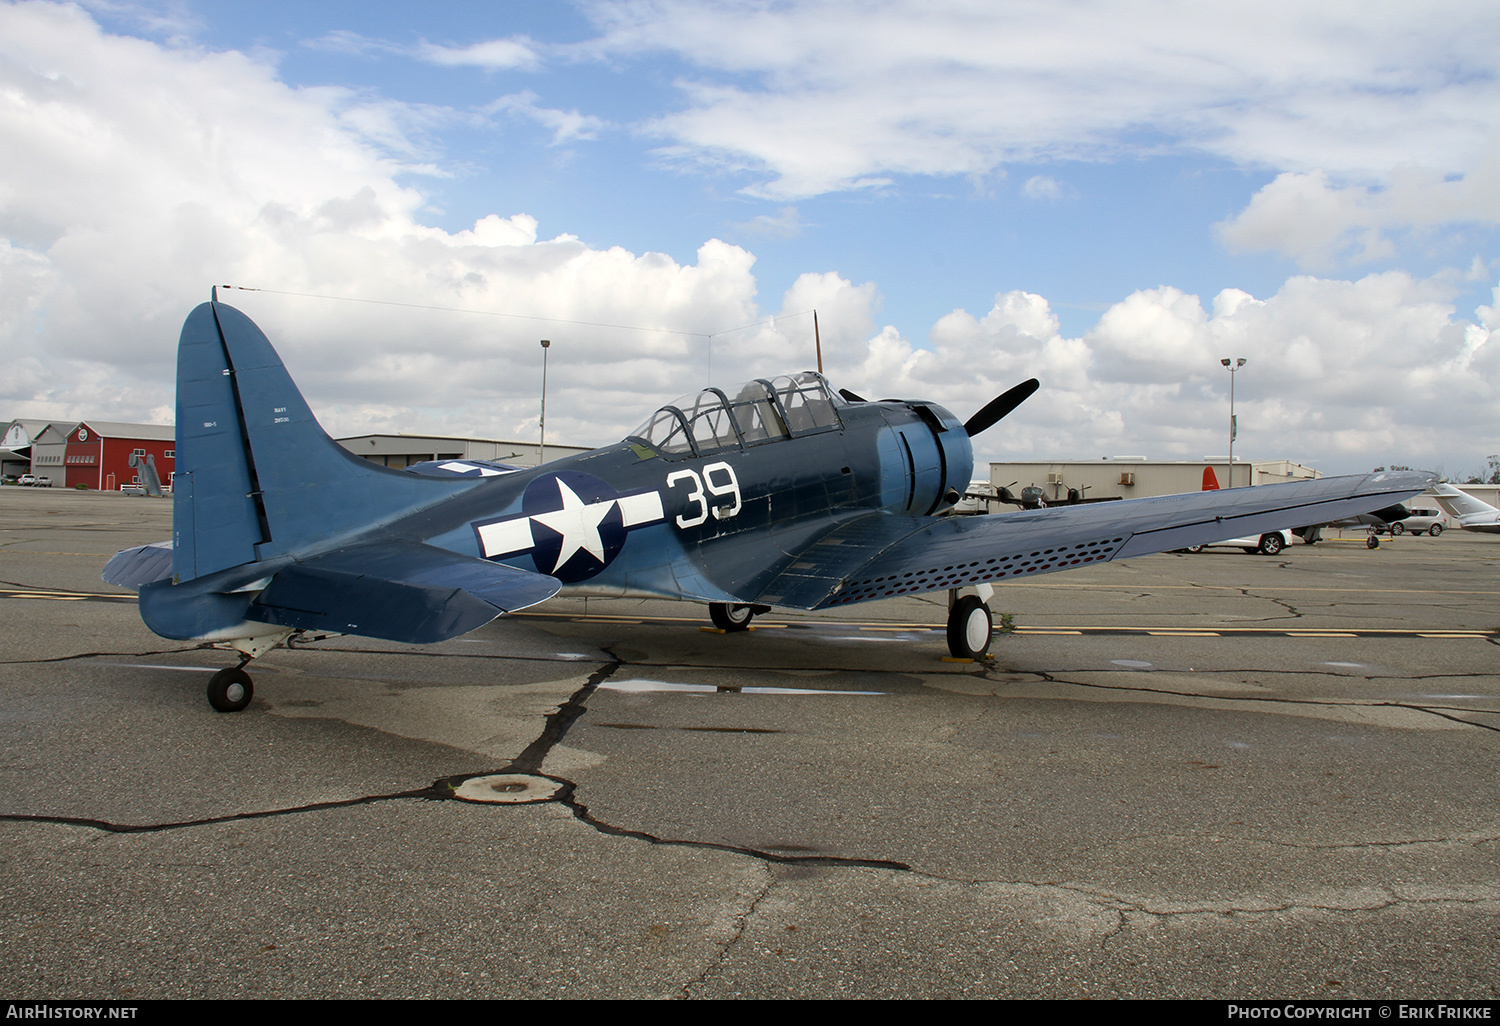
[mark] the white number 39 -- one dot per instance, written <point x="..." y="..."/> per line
<point x="726" y="484"/>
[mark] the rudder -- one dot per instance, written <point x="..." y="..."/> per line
<point x="257" y="477"/>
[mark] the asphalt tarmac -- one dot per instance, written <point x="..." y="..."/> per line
<point x="1214" y="775"/>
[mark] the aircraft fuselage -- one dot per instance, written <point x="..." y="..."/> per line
<point x="628" y="519"/>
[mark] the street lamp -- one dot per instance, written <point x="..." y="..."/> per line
<point x="541" y="449"/>
<point x="1232" y="425"/>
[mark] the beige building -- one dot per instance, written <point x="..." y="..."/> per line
<point x="1131" y="477"/>
<point x="402" y="450"/>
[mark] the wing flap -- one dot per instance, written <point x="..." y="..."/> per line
<point x="411" y="593"/>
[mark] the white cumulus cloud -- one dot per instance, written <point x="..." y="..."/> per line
<point x="147" y="172"/>
<point x="1381" y="117"/>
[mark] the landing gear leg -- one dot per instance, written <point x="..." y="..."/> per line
<point x="230" y="689"/>
<point x="969" y="622"/>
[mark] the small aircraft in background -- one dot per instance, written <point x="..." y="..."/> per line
<point x="780" y="492"/>
<point x="1471" y="513"/>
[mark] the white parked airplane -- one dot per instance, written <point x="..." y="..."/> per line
<point x="1471" y="514"/>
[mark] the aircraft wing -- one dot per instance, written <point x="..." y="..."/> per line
<point x="880" y="555"/>
<point x="398" y="591"/>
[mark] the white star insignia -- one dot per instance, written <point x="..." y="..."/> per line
<point x="578" y="523"/>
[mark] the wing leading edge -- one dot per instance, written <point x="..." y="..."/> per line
<point x="880" y="555"/>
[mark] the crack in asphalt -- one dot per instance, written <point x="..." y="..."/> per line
<point x="557" y="724"/>
<point x="1054" y="677"/>
<point x="1229" y="908"/>
<point x="556" y="728"/>
<point x="529" y="762"/>
<point x="96" y="655"/>
<point x="741" y="924"/>
<point x="428" y="793"/>
<point x="582" y="814"/>
<point x="1296" y="614"/>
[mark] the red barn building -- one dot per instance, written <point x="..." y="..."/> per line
<point x="99" y="451"/>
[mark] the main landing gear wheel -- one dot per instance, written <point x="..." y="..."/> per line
<point x="730" y="618"/>
<point x="1372" y="542"/>
<point x="230" y="690"/>
<point x="969" y="628"/>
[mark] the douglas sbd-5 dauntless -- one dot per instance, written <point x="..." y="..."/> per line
<point x="777" y="493"/>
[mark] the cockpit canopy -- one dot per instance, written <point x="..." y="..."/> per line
<point x="758" y="411"/>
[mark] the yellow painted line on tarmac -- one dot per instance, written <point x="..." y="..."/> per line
<point x="65" y="596"/>
<point x="39" y="552"/>
<point x="1288" y="631"/>
<point x="1138" y="586"/>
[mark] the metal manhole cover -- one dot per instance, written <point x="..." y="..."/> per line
<point x="507" y="789"/>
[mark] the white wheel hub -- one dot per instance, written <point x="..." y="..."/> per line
<point x="977" y="630"/>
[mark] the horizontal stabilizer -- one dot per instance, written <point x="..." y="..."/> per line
<point x="404" y="592"/>
<point x="462" y="468"/>
<point x="141" y="565"/>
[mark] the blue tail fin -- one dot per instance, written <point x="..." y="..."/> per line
<point x="256" y="476"/>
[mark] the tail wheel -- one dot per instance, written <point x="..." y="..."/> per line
<point x="230" y="690"/>
<point x="969" y="628"/>
<point x="730" y="618"/>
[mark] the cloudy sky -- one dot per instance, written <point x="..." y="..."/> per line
<point x="1107" y="196"/>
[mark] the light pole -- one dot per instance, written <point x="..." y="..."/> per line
<point x="541" y="449"/>
<point x="1238" y="363"/>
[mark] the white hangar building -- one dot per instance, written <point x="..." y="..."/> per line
<point x="1136" y="477"/>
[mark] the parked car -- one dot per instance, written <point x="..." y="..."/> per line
<point x="1270" y="543"/>
<point x="1423" y="518"/>
<point x="27" y="480"/>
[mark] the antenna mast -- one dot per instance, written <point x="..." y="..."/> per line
<point x="818" y="341"/>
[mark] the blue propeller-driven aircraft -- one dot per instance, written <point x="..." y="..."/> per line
<point x="779" y="492"/>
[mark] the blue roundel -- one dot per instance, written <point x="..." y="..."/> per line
<point x="576" y="524"/>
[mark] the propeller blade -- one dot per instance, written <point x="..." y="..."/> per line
<point x="852" y="397"/>
<point x="1000" y="406"/>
